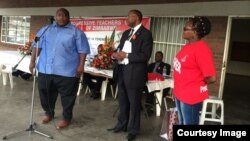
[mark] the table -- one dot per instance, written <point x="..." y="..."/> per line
<point x="156" y="85"/>
<point x="13" y="57"/>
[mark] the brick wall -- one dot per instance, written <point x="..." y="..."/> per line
<point x="5" y="46"/>
<point x="216" y="40"/>
<point x="37" y="22"/>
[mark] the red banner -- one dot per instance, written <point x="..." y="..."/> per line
<point x="105" y="24"/>
<point x="96" y="29"/>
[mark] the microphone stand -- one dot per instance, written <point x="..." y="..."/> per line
<point x="37" y="39"/>
<point x="31" y="128"/>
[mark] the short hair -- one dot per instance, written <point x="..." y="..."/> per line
<point x="138" y="13"/>
<point x="159" y="52"/>
<point x="100" y="45"/>
<point x="202" y="26"/>
<point x="65" y="11"/>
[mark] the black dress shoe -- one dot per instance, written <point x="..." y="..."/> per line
<point x="16" y="73"/>
<point x="117" y="130"/>
<point x="131" y="137"/>
<point x="96" y="95"/>
<point x="110" y="129"/>
<point x="150" y="112"/>
<point x="25" y="76"/>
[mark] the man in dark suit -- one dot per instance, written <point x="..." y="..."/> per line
<point x="134" y="51"/>
<point x="156" y="67"/>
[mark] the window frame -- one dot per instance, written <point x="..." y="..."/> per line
<point x="167" y="35"/>
<point x="15" y="27"/>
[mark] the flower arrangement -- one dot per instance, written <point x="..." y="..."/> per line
<point x="26" y="48"/>
<point x="103" y="58"/>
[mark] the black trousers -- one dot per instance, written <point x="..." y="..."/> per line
<point x="94" y="86"/>
<point x="150" y="98"/>
<point x="50" y="85"/>
<point x="130" y="107"/>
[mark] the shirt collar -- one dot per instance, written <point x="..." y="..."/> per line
<point x="67" y="25"/>
<point x="136" y="28"/>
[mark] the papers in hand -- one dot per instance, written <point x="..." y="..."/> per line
<point x="107" y="73"/>
<point x="127" y="47"/>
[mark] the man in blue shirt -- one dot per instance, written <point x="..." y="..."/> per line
<point x="62" y="50"/>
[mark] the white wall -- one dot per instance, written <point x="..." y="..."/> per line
<point x="184" y="9"/>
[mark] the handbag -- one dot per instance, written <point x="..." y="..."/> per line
<point x="170" y="119"/>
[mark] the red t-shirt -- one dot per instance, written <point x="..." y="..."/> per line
<point x="192" y="64"/>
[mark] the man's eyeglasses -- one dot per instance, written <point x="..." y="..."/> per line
<point x="188" y="29"/>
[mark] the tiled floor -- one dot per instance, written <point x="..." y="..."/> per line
<point x="92" y="117"/>
<point x="237" y="99"/>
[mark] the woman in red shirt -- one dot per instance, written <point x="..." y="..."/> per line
<point x="193" y="71"/>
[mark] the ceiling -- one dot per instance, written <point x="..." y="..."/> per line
<point x="70" y="3"/>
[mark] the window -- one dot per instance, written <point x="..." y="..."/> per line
<point x="167" y="35"/>
<point x="15" y="29"/>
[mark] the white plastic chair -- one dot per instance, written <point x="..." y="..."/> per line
<point x="87" y="90"/>
<point x="6" y="70"/>
<point x="116" y="92"/>
<point x="216" y="103"/>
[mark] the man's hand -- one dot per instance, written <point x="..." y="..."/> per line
<point x="123" y="54"/>
<point x="119" y="55"/>
<point x="80" y="68"/>
<point x="79" y="71"/>
<point x="32" y="67"/>
<point x="115" y="55"/>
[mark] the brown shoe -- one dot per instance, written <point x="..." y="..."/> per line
<point x="63" y="124"/>
<point x="46" y="119"/>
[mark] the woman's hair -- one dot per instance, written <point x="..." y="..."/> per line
<point x="201" y="25"/>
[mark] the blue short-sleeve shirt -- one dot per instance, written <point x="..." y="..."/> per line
<point x="60" y="49"/>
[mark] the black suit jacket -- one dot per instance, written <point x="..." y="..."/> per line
<point x="159" y="68"/>
<point x="134" y="74"/>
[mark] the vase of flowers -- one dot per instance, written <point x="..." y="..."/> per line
<point x="103" y="58"/>
<point x="24" y="50"/>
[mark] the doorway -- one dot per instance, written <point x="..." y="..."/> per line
<point x="236" y="92"/>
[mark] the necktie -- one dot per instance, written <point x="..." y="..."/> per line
<point x="155" y="68"/>
<point x="131" y="32"/>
